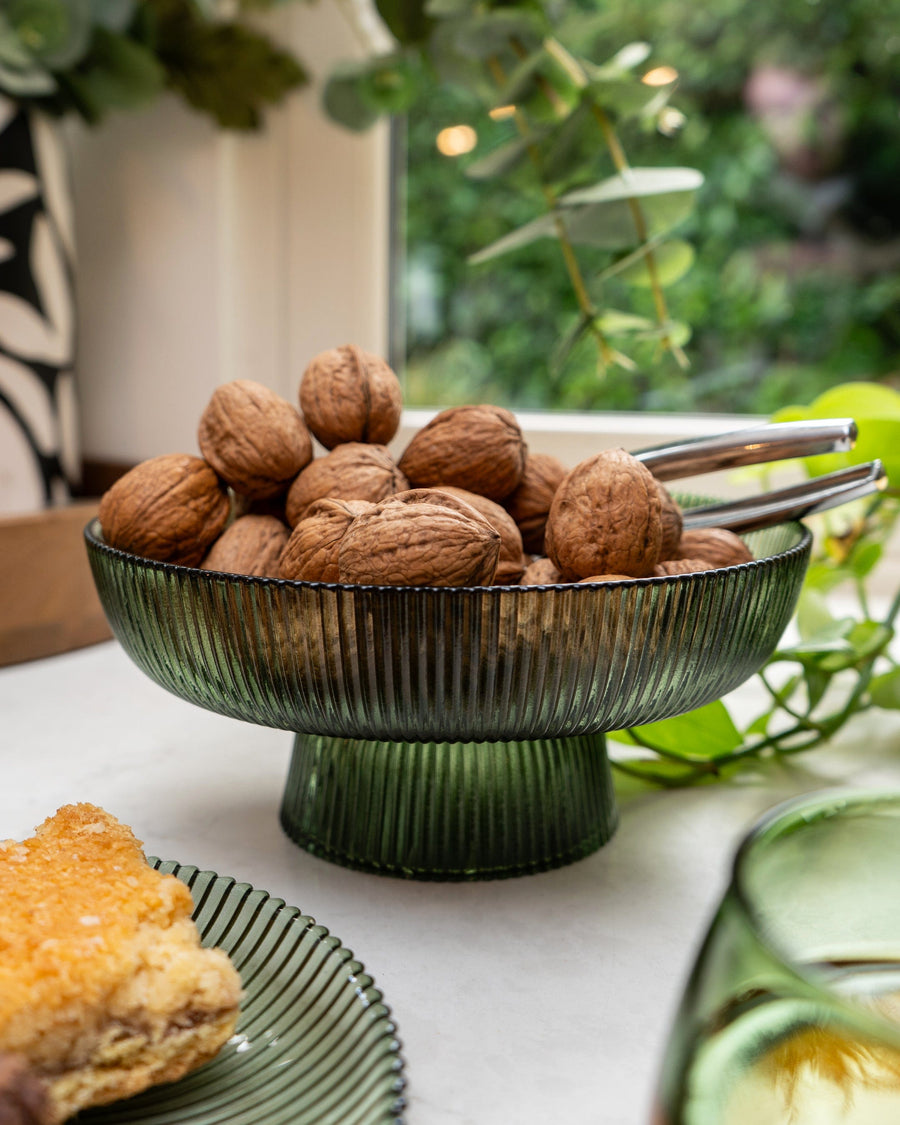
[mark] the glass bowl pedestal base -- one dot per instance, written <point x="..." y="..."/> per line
<point x="450" y="810"/>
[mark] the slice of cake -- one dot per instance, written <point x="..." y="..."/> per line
<point x="104" y="986"/>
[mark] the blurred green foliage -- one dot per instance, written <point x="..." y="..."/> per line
<point x="92" y="57"/>
<point x="791" y="113"/>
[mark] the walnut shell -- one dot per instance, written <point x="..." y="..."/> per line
<point x="478" y="448"/>
<point x="311" y="553"/>
<point x="254" y="439"/>
<point x="529" y="503"/>
<point x="252" y="544"/>
<point x="716" y="545"/>
<point x="608" y="578"/>
<point x="419" y="543"/>
<point x="170" y="508"/>
<point x="681" y="566"/>
<point x="347" y="394"/>
<point x="352" y="471"/>
<point x="511" y="562"/>
<point x="540" y="572"/>
<point x="606" y="518"/>
<point x="672" y="523"/>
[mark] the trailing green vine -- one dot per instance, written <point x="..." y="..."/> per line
<point x="841" y="661"/>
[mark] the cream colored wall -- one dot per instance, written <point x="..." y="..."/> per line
<point x="205" y="256"/>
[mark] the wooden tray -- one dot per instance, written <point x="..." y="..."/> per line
<point x="48" y="603"/>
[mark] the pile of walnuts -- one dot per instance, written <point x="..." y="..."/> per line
<point x="466" y="504"/>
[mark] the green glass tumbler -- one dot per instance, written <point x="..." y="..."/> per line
<point x="792" y="1013"/>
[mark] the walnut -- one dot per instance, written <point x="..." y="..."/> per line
<point x="254" y="439"/>
<point x="606" y="518"/>
<point x="529" y="503"/>
<point x="252" y="544"/>
<point x="419" y="543"/>
<point x="680" y="566"/>
<point x="511" y="562"/>
<point x="540" y="572"/>
<point x="311" y="553"/>
<point x="608" y="578"/>
<point x="347" y="394"/>
<point x="672" y="523"/>
<point x="478" y="448"/>
<point x="170" y="508"/>
<point x="715" y="545"/>
<point x="352" y="471"/>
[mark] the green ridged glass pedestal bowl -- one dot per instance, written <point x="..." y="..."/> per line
<point x="450" y="733"/>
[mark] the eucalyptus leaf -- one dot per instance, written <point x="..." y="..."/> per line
<point x="500" y="160"/>
<point x="609" y="224"/>
<point x="672" y="260"/>
<point x="637" y="183"/>
<point x="544" y="226"/>
<point x="486" y="33"/>
<point x="567" y="342"/>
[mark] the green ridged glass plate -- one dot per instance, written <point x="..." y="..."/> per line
<point x="314" y="1045"/>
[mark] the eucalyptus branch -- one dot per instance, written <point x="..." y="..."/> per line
<point x="607" y="353"/>
<point x="622" y="166"/>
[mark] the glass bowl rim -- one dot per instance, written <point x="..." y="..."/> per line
<point x="772" y="827"/>
<point x="94" y="535"/>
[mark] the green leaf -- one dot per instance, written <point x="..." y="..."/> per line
<point x="568" y="342"/>
<point x="224" y="70"/>
<point x="876" y="409"/>
<point x="544" y="226"/>
<point x="866" y="639"/>
<point x="486" y="33"/>
<point x="20" y="74"/>
<point x="615" y="322"/>
<point x="699" y="735"/>
<point x="609" y="225"/>
<point x="408" y="21"/>
<point x="56" y="32"/>
<point x="123" y="75"/>
<point x="672" y="260"/>
<point x="345" y="101"/>
<point x="815" y="621"/>
<point x="885" y="690"/>
<point x="500" y="160"/>
<point x="817" y="682"/>
<point x="864" y="558"/>
<point x="637" y="183"/>
<point x="444" y="8"/>
<point x="114" y="15"/>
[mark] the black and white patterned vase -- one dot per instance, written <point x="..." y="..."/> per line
<point x="39" y="449"/>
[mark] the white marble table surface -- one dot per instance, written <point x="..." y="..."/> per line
<point x="538" y="999"/>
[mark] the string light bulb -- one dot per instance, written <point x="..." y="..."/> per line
<point x="456" y="140"/>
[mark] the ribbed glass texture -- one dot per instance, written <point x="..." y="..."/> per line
<point x="315" y="1044"/>
<point x="485" y="664"/>
<point x="439" y="810"/>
